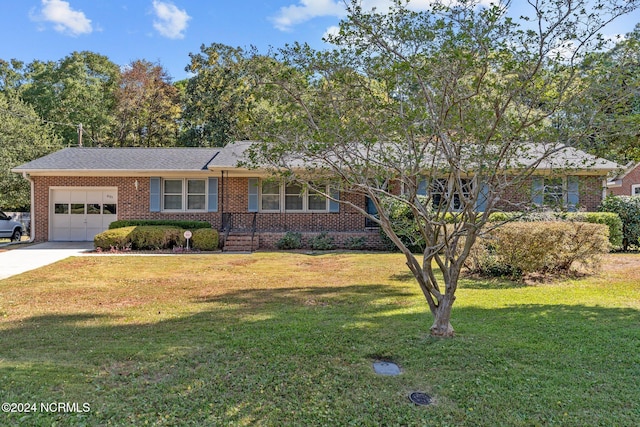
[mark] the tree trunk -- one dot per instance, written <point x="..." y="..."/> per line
<point x="441" y="324"/>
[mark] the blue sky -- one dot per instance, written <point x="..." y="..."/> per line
<point x="166" y="31"/>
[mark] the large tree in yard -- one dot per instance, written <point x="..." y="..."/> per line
<point x="442" y="110"/>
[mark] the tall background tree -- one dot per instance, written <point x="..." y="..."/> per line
<point x="217" y="99"/>
<point x="23" y="137"/>
<point x="616" y="124"/>
<point x="80" y="88"/>
<point x="460" y="103"/>
<point x="147" y="107"/>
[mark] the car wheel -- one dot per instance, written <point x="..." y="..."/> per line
<point x="15" y="237"/>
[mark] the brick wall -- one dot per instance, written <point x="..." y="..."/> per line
<point x="372" y="239"/>
<point x="233" y="198"/>
<point x="517" y="197"/>
<point x="134" y="204"/>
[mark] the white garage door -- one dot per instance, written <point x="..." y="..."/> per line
<point x="79" y="214"/>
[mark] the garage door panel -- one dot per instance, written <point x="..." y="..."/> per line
<point x="80" y="214"/>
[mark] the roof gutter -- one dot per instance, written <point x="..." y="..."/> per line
<point x="32" y="224"/>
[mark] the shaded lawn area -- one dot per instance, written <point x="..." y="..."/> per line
<point x="289" y="339"/>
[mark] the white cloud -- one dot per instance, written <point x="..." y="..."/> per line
<point x="171" y="22"/>
<point x="65" y="20"/>
<point x="334" y="30"/>
<point x="306" y="10"/>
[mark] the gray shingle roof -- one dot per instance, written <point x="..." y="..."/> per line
<point x="202" y="159"/>
<point x="124" y="159"/>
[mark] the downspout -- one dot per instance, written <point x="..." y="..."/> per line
<point x="222" y="195"/>
<point x="32" y="224"/>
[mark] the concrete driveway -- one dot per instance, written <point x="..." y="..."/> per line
<point x="20" y="259"/>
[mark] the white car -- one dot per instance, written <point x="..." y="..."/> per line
<point x="9" y="228"/>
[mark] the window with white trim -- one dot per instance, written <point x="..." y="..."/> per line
<point x="270" y="200"/>
<point x="293" y="197"/>
<point x="277" y="196"/>
<point x="184" y="194"/>
<point x="635" y="190"/>
<point x="316" y="201"/>
<point x="196" y="194"/>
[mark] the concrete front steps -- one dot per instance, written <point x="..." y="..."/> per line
<point x="240" y="242"/>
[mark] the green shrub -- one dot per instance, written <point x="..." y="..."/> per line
<point x="153" y="237"/>
<point x="610" y="219"/>
<point x="205" y="239"/>
<point x="628" y="209"/>
<point x="540" y="247"/>
<point x="290" y="240"/>
<point x="405" y="227"/>
<point x="186" y="225"/>
<point x="322" y="242"/>
<point x="355" y="243"/>
<point x="113" y="239"/>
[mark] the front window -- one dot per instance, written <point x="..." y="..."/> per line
<point x="553" y="192"/>
<point x="173" y="194"/>
<point x="293" y="197"/>
<point x="196" y="194"/>
<point x="316" y="201"/>
<point x="635" y="190"/>
<point x="184" y="194"/>
<point x="270" y="196"/>
<point x="276" y="196"/>
<point x="442" y="191"/>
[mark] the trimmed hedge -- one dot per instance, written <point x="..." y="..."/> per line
<point x="611" y="220"/>
<point x="116" y="239"/>
<point x="152" y="237"/>
<point x="186" y="225"/>
<point x="204" y="239"/>
<point x="403" y="223"/>
<point x="520" y="248"/>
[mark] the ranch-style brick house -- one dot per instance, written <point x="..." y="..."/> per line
<point x="77" y="192"/>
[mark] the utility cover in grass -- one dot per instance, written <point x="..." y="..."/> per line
<point x="386" y="368"/>
<point x="420" y="398"/>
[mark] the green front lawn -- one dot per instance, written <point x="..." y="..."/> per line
<point x="289" y="339"/>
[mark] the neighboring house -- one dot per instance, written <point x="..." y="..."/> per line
<point x="627" y="183"/>
<point x="78" y="192"/>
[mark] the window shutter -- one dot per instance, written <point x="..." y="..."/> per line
<point x="154" y="195"/>
<point x="537" y="190"/>
<point x="334" y="206"/>
<point x="212" y="203"/>
<point x="483" y="196"/>
<point x="573" y="193"/>
<point x="253" y="195"/>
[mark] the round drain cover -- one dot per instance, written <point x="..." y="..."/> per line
<point x="420" y="398"/>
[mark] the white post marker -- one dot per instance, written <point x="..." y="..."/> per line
<point x="187" y="235"/>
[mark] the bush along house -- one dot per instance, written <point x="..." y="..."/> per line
<point x="78" y="192"/>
